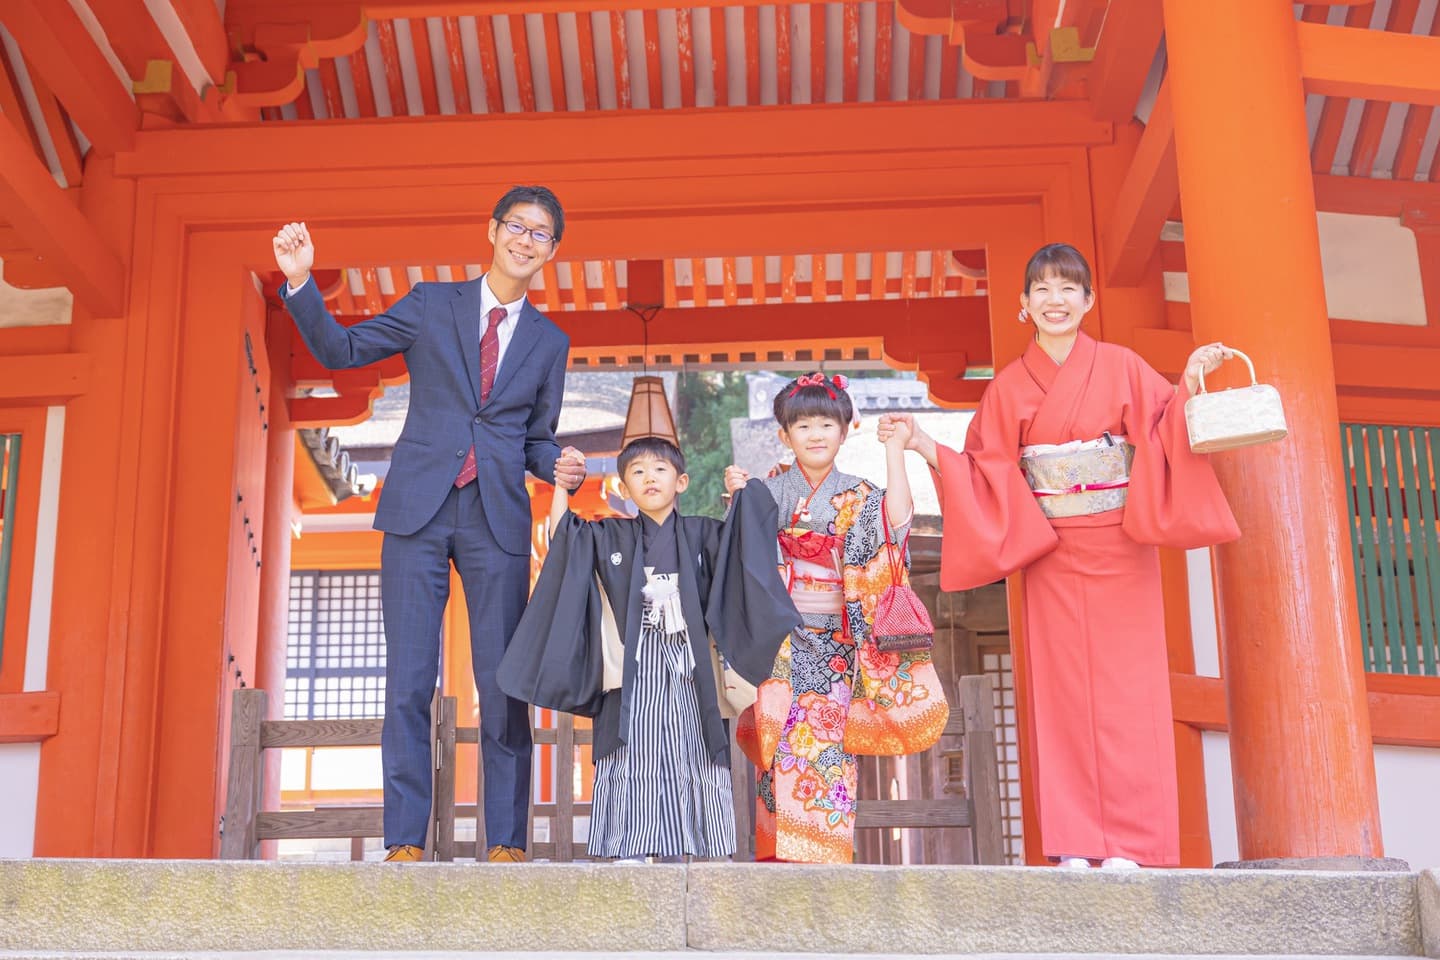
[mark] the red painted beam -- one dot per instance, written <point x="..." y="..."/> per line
<point x="49" y="377"/>
<point x="56" y="42"/>
<point x="1149" y="193"/>
<point x="1370" y="196"/>
<point x="723" y="136"/>
<point x="52" y="225"/>
<point x="1404" y="710"/>
<point x="1371" y="64"/>
<point x="909" y="326"/>
<point x="29" y="717"/>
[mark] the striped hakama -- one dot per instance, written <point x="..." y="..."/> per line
<point x="659" y="793"/>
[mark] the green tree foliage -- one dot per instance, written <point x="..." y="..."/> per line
<point x="705" y="403"/>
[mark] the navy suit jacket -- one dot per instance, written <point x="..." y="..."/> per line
<point x="437" y="327"/>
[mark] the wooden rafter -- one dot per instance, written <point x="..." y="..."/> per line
<point x="520" y="50"/>
<point x="884" y="32"/>
<point x="330" y="89"/>
<point x="620" y="57"/>
<point x="685" y="56"/>
<point x="47" y="217"/>
<point x="555" y="62"/>
<point x="206" y="29"/>
<point x="585" y="40"/>
<point x="455" y="65"/>
<point x="719" y="58"/>
<point x="1126" y="47"/>
<point x="752" y="57"/>
<point x="57" y="42"/>
<point x="489" y="65"/>
<point x="424" y="66"/>
<point x="390" y="58"/>
<point x="850" y="57"/>
<point x="1326" y="142"/>
<point x="360" y="76"/>
<point x="12" y="105"/>
<point x="1376" y="112"/>
<point x="655" y="86"/>
<point x="57" y="125"/>
<point x="817" y="13"/>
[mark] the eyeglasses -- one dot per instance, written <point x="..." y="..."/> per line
<point x="517" y="228"/>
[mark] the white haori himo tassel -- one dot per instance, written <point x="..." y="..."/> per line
<point x="664" y="610"/>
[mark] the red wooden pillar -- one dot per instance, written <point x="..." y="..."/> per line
<point x="1300" y="742"/>
<point x="274" y="619"/>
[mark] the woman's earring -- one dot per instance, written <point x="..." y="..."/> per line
<point x="1024" y="316"/>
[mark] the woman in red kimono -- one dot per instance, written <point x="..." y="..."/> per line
<point x="1076" y="467"/>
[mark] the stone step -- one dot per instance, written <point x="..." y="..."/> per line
<point x="669" y="955"/>
<point x="326" y="909"/>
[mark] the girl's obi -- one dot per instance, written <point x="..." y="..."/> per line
<point x="1079" y="478"/>
<point x="811" y="563"/>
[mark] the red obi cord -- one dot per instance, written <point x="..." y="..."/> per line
<point x="1083" y="488"/>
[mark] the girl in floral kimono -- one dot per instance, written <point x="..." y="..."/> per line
<point x="832" y="694"/>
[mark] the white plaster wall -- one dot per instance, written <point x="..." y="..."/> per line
<point x="20" y="772"/>
<point x="1408" y="780"/>
<point x="1204" y="634"/>
<point x="20" y="307"/>
<point x="1371" y="267"/>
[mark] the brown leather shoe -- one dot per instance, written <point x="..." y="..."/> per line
<point x="503" y="854"/>
<point x="405" y="853"/>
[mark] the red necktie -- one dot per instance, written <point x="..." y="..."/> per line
<point x="489" y="360"/>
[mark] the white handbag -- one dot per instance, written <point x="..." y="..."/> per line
<point x="1238" y="417"/>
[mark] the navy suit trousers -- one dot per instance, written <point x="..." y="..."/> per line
<point x="414" y="587"/>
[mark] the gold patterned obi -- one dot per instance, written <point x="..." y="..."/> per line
<point x="1079" y="478"/>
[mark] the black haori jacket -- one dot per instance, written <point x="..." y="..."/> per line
<point x="730" y="589"/>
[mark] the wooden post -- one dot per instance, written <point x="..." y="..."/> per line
<point x="977" y="703"/>
<point x="562" y="826"/>
<point x="445" y="779"/>
<point x="1300" y="744"/>
<point x="242" y="799"/>
<point x="742" y="782"/>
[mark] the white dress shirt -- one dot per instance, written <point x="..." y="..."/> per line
<point x="488" y="302"/>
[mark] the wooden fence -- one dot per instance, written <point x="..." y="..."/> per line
<point x="246" y="823"/>
<point x="975" y="805"/>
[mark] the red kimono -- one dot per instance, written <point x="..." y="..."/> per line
<point x="1094" y="631"/>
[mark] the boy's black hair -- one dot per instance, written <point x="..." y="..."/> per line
<point x="646" y="447"/>
<point x="821" y="398"/>
<point x="542" y="197"/>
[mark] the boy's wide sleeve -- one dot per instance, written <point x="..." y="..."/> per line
<point x="554" y="658"/>
<point x="749" y="612"/>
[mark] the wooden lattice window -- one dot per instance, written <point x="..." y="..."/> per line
<point x="995" y="660"/>
<point x="335" y="657"/>
<point x="1393" y="513"/>
<point x="9" y="478"/>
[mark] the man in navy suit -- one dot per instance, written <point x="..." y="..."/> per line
<point x="487" y="372"/>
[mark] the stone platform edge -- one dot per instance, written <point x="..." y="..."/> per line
<point x="109" y="905"/>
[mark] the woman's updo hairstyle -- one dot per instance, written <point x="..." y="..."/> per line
<point x="1060" y="259"/>
<point x="814" y="395"/>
